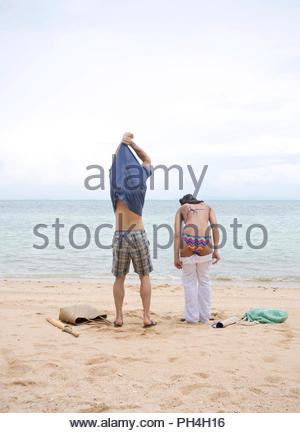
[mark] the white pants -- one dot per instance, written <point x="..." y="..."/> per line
<point x="197" y="290"/>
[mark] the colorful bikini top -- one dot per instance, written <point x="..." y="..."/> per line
<point x="188" y="211"/>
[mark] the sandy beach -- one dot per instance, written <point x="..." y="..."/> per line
<point x="173" y="367"/>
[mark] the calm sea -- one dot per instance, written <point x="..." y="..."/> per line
<point x="276" y="264"/>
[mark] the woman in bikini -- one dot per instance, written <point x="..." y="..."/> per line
<point x="194" y="251"/>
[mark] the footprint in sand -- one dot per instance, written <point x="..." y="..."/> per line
<point x="151" y="332"/>
<point x="45" y="346"/>
<point x="95" y="408"/>
<point x="287" y="338"/>
<point x="57" y="374"/>
<point x="164" y="316"/>
<point x="23" y="382"/>
<point x="128" y="407"/>
<point x="17" y="368"/>
<point x="269" y="358"/>
<point x="50" y="365"/>
<point x="284" y="331"/>
<point x="99" y="359"/>
<point x="273" y="379"/>
<point x="176" y="377"/>
<point x="172" y="359"/>
<point x="230" y="371"/>
<point x="190" y="388"/>
<point x="132" y="359"/>
<point x="170" y="403"/>
<point x="202" y="375"/>
<point x="122" y="337"/>
<point x="132" y="406"/>
<point x="256" y="390"/>
<point x="219" y="395"/>
<point x="100" y="371"/>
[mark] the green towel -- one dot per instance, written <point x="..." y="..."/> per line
<point x="265" y="315"/>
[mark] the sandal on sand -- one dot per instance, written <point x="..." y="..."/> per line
<point x="117" y="325"/>
<point x="150" y="324"/>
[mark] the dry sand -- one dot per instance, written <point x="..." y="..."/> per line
<point x="174" y="367"/>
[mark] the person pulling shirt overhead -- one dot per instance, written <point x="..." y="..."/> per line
<point x="128" y="180"/>
<point x="130" y="244"/>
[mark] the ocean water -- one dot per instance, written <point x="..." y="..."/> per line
<point x="276" y="264"/>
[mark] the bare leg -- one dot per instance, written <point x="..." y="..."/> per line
<point x="119" y="293"/>
<point x="145" y="291"/>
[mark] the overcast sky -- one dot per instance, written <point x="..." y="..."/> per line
<point x="197" y="82"/>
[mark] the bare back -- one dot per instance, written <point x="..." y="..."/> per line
<point x="196" y="219"/>
<point x="195" y="216"/>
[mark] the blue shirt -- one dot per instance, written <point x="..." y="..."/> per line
<point x="128" y="180"/>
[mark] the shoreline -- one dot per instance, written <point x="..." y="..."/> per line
<point x="133" y="279"/>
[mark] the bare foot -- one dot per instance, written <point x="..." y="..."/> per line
<point x="149" y="323"/>
<point x="118" y="322"/>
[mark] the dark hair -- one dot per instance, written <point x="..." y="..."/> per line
<point x="190" y="199"/>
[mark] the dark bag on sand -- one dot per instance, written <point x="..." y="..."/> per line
<point x="80" y="313"/>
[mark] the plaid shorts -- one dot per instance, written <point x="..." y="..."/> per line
<point x="131" y="245"/>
